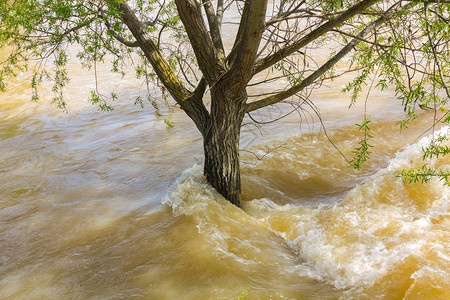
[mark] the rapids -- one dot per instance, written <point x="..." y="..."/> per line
<point x="114" y="205"/>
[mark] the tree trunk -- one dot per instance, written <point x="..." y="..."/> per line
<point x="221" y="143"/>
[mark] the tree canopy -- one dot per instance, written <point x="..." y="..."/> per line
<point x="179" y="46"/>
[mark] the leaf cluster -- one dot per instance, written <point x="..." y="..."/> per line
<point x="426" y="172"/>
<point x="362" y="153"/>
<point x="410" y="54"/>
<point x="423" y="174"/>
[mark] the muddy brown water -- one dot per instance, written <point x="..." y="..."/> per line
<point x="113" y="205"/>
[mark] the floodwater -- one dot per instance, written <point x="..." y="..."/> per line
<point x="97" y="205"/>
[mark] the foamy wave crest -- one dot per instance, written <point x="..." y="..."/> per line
<point x="191" y="193"/>
<point x="412" y="154"/>
<point x="232" y="234"/>
<point x="380" y="231"/>
<point x="376" y="230"/>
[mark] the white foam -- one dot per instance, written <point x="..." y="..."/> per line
<point x="351" y="244"/>
<point x="361" y="239"/>
<point x="412" y="154"/>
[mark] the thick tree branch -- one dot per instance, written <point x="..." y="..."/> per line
<point x="270" y="60"/>
<point x="323" y="69"/>
<point x="240" y="33"/>
<point x="241" y="70"/>
<point x="214" y="27"/>
<point x="220" y="10"/>
<point x="159" y="64"/>
<point x="131" y="44"/>
<point x="190" y="102"/>
<point x="195" y="108"/>
<point x="121" y="39"/>
<point x="114" y="34"/>
<point x="205" y="52"/>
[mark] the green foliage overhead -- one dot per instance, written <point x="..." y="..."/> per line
<point x="41" y="35"/>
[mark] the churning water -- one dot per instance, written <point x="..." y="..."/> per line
<point x="114" y="205"/>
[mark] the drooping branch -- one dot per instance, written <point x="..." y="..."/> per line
<point x="207" y="57"/>
<point x="324" y="68"/>
<point x="270" y="60"/>
<point x="435" y="56"/>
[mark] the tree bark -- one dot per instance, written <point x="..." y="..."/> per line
<point x="221" y="143"/>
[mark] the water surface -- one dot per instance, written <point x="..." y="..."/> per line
<point x="114" y="205"/>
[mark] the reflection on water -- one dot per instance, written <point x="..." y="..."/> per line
<point x="91" y="207"/>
